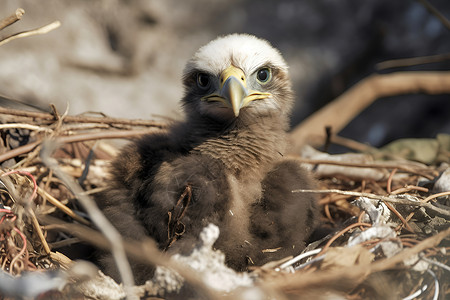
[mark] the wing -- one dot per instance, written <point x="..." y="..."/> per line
<point x="155" y="177"/>
<point x="282" y="221"/>
<point x="131" y="169"/>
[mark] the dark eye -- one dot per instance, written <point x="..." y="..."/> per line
<point x="203" y="81"/>
<point x="263" y="75"/>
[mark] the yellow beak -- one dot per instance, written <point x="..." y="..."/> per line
<point x="233" y="91"/>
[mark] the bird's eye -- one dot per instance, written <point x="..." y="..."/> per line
<point x="203" y="81"/>
<point x="263" y="75"/>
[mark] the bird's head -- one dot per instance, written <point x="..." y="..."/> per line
<point x="237" y="75"/>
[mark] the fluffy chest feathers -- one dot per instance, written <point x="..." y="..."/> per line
<point x="248" y="151"/>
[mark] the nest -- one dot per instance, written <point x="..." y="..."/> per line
<point x="388" y="219"/>
<point x="386" y="215"/>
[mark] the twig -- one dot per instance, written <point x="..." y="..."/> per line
<point x="436" y="196"/>
<point x="62" y="207"/>
<point x="376" y="165"/>
<point x="391" y="208"/>
<point x="46" y="186"/>
<point x="352" y="144"/>
<point x="436" y="12"/>
<point x="360" y="217"/>
<point x="66" y="242"/>
<point x="329" y="200"/>
<point x="18" y="151"/>
<point x="24" y="126"/>
<point x="437" y="210"/>
<point x="38" y="229"/>
<point x="389" y="182"/>
<point x="343" y="109"/>
<point x="16" y="16"/>
<point x="409" y="188"/>
<point x="41" y="30"/>
<point x="119" y="134"/>
<point x="406" y="62"/>
<point x="337" y="235"/>
<point x="81" y="119"/>
<point x="113" y="237"/>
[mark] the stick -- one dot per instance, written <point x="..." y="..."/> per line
<point x="343" y="109"/>
<point x="38" y="229"/>
<point x="62" y="207"/>
<point x="413" y="61"/>
<point x="24" y="126"/>
<point x="118" y="134"/>
<point x="41" y="30"/>
<point x="81" y="119"/>
<point x="436" y="12"/>
<point x="435" y="209"/>
<point x="16" y="16"/>
<point x="378" y="165"/>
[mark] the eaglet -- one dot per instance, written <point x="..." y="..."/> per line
<point x="223" y="164"/>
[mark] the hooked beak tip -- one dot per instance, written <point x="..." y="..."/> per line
<point x="235" y="92"/>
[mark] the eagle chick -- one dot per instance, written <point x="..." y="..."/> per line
<point x="223" y="164"/>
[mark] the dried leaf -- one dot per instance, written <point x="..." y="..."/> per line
<point x="339" y="257"/>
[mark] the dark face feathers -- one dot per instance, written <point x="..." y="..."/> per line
<point x="229" y="153"/>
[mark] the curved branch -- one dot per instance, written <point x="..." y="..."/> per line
<point x="41" y="30"/>
<point x="343" y="109"/>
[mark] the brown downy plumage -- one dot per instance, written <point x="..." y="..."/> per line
<point x="228" y="153"/>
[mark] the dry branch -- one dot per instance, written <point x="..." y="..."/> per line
<point x="117" y="134"/>
<point x="413" y="61"/>
<point x="81" y="119"/>
<point x="41" y="30"/>
<point x="391" y="199"/>
<point x="343" y="109"/>
<point x="16" y="16"/>
<point x="436" y="12"/>
<point x="402" y="165"/>
<point x="62" y="207"/>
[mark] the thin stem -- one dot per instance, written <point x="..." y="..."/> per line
<point x="16" y="16"/>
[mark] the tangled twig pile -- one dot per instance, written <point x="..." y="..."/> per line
<point x="386" y="229"/>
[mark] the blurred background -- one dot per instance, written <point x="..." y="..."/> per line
<point x="125" y="58"/>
